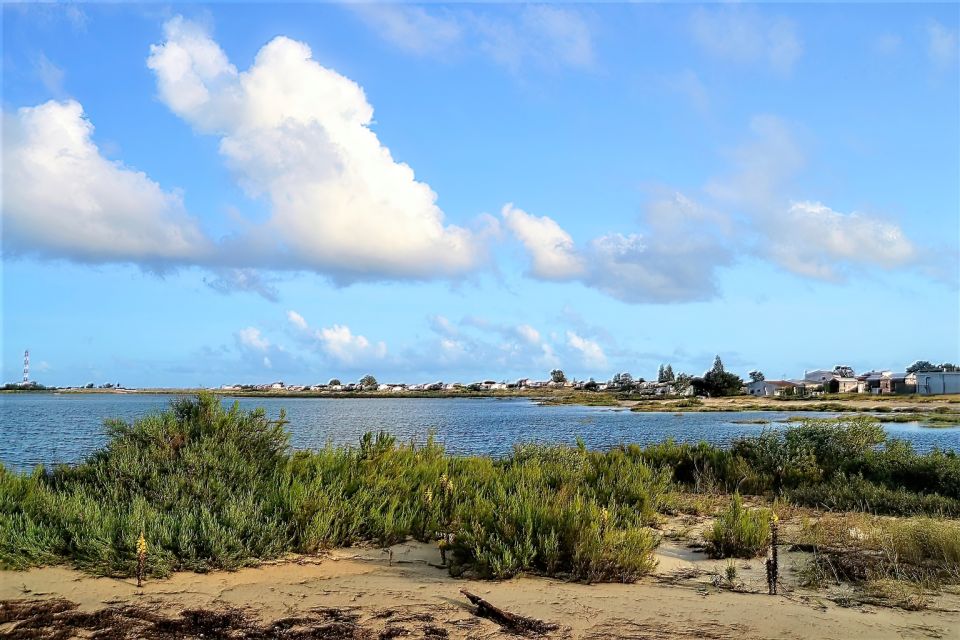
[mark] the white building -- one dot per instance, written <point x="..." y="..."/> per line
<point x="929" y="383"/>
<point x="768" y="387"/>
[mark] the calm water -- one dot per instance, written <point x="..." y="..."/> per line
<point x="44" y="428"/>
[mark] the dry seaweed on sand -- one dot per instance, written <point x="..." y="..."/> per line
<point x="61" y="619"/>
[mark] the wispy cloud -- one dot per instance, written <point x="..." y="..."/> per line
<point x="942" y="45"/>
<point x="229" y="281"/>
<point x="51" y="76"/>
<point x="412" y="28"/>
<point x="517" y="37"/>
<point x="546" y="36"/>
<point x="744" y="35"/>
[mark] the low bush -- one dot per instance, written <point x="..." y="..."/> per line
<point x="217" y="488"/>
<point x="739" y="532"/>
<point x="854" y="493"/>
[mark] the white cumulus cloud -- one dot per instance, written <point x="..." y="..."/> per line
<point x="815" y="239"/>
<point x="252" y="338"/>
<point x="803" y="236"/>
<point x="528" y="334"/>
<point x="551" y="248"/>
<point x="674" y="262"/>
<point x="63" y="199"/>
<point x="298" y="133"/>
<point x="340" y="343"/>
<point x="590" y="351"/>
<point x="297" y="320"/>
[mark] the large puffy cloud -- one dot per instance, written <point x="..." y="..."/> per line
<point x="815" y="239"/>
<point x="63" y="199"/>
<point x="299" y="134"/>
<point x="294" y="132"/>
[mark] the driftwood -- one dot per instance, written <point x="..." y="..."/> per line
<point x="509" y="621"/>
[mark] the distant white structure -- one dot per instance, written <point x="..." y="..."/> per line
<point x="930" y="383"/>
<point x="26" y="367"/>
<point x="768" y="387"/>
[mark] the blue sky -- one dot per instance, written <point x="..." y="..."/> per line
<point x="200" y="195"/>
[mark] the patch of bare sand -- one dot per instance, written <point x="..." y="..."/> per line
<point x="406" y="593"/>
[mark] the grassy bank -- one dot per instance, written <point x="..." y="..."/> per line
<point x="214" y="488"/>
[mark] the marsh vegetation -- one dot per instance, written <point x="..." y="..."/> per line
<point x="211" y="487"/>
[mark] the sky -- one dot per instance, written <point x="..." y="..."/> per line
<point x="197" y="195"/>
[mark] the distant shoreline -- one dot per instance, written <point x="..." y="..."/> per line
<point x="947" y="405"/>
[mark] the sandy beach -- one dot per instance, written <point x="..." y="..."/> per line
<point x="402" y="591"/>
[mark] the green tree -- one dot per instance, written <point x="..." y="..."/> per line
<point x="661" y="377"/>
<point x="334" y="382"/>
<point x="668" y="374"/>
<point x="557" y="375"/>
<point x="757" y="376"/>
<point x="717" y="366"/>
<point x="717" y="382"/>
<point x="368" y="381"/>
<point x="923" y="365"/>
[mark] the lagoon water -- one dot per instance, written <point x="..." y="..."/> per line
<point x="52" y="428"/>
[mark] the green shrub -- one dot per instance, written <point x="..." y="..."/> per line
<point x="739" y="532"/>
<point x="855" y="493"/>
<point x="218" y="488"/>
